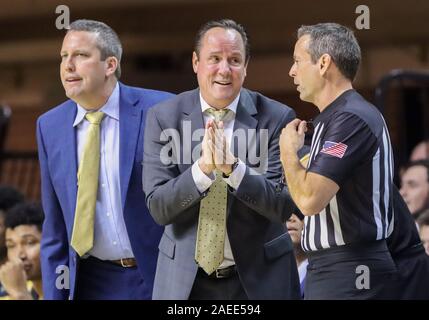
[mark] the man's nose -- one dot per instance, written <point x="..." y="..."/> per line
<point x="69" y="64"/>
<point x="224" y="67"/>
<point x="292" y="218"/>
<point x="22" y="254"/>
<point x="292" y="71"/>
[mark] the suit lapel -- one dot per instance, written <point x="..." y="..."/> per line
<point x="193" y="117"/>
<point x="244" y="120"/>
<point x="129" y="128"/>
<point x="244" y="123"/>
<point x="70" y="155"/>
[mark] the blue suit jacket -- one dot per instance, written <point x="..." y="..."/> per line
<point x="56" y="139"/>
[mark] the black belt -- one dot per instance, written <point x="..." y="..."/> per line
<point x="221" y="273"/>
<point x="125" y="263"/>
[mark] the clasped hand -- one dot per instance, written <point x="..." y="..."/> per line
<point x="292" y="137"/>
<point x="216" y="153"/>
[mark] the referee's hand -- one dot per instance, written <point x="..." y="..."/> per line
<point x="292" y="137"/>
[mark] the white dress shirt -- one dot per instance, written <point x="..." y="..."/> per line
<point x="203" y="182"/>
<point x="111" y="240"/>
<point x="302" y="270"/>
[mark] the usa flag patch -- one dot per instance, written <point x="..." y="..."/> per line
<point x="336" y="149"/>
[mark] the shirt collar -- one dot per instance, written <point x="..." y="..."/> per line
<point x="111" y="108"/>
<point x="334" y="105"/>
<point x="232" y="106"/>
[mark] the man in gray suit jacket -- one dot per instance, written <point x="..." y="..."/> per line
<point x="184" y="186"/>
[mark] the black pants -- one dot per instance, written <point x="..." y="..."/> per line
<point x="209" y="288"/>
<point x="358" y="271"/>
<point x="413" y="274"/>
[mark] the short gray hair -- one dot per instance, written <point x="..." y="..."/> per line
<point x="107" y="40"/>
<point x="336" y="40"/>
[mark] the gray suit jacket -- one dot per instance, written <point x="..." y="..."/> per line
<point x="261" y="246"/>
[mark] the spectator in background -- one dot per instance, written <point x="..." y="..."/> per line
<point x="420" y="151"/>
<point x="9" y="197"/>
<point x="294" y="226"/>
<point x="21" y="276"/>
<point x="423" y="222"/>
<point x="415" y="186"/>
<point x="408" y="253"/>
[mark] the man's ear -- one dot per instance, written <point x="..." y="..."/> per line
<point x="111" y="65"/>
<point x="195" y="61"/>
<point x="324" y="63"/>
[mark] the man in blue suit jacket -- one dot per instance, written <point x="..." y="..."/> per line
<point x="121" y="263"/>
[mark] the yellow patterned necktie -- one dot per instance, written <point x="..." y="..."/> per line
<point x="83" y="228"/>
<point x="209" y="248"/>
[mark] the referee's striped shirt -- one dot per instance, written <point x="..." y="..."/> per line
<point x="351" y="146"/>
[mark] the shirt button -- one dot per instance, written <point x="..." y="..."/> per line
<point x="114" y="243"/>
<point x="103" y="185"/>
<point x="108" y="214"/>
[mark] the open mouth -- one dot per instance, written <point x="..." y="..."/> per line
<point x="223" y="83"/>
<point x="73" y="79"/>
<point x="292" y="230"/>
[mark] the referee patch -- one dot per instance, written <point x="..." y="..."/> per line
<point x="336" y="149"/>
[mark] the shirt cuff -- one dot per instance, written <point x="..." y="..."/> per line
<point x="202" y="181"/>
<point x="236" y="176"/>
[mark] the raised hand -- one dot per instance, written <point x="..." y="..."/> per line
<point x="206" y="162"/>
<point x="223" y="157"/>
<point x="14" y="280"/>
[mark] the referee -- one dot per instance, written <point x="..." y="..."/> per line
<point x="346" y="190"/>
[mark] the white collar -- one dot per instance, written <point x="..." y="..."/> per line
<point x="232" y="106"/>
<point x="110" y="108"/>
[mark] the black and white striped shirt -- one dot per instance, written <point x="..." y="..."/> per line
<point x="351" y="146"/>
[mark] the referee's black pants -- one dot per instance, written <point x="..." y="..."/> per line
<point x="355" y="271"/>
<point x="413" y="273"/>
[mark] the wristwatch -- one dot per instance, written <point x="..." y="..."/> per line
<point x="234" y="165"/>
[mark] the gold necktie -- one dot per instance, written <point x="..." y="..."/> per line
<point x="87" y="176"/>
<point x="218" y="115"/>
<point x="212" y="219"/>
